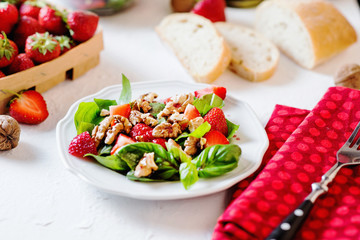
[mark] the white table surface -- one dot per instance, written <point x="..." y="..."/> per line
<point x="40" y="199"/>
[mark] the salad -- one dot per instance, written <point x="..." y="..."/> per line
<point x="183" y="137"/>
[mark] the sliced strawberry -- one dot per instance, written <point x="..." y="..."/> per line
<point x="122" y="140"/>
<point x="29" y="107"/>
<point x="82" y="25"/>
<point x="141" y="133"/>
<point x="216" y="118"/>
<point x="191" y="112"/>
<point x="219" y="91"/>
<point x="214" y="137"/>
<point x="122" y="110"/>
<point x="42" y="47"/>
<point x="214" y="10"/>
<point x="82" y="144"/>
<point x="20" y="63"/>
<point x="160" y="141"/>
<point x="166" y="100"/>
<point x="8" y="51"/>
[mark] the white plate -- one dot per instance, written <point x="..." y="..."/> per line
<point x="251" y="137"/>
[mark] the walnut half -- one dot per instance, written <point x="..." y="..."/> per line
<point x="146" y="165"/>
<point x="9" y="132"/>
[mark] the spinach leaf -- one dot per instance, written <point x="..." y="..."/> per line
<point x="111" y="161"/>
<point x="125" y="96"/>
<point x="207" y="102"/>
<point x="104" y="103"/>
<point x="232" y="128"/>
<point x="217" y="160"/>
<point x="198" y="133"/>
<point x="156" y="108"/>
<point x="87" y="112"/>
<point x="167" y="166"/>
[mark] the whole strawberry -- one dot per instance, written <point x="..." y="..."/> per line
<point x="216" y="118"/>
<point x="8" y="51"/>
<point x="2" y="74"/>
<point x="160" y="141"/>
<point x="82" y="25"/>
<point x="28" y="107"/>
<point x="8" y="16"/>
<point x="82" y="144"/>
<point x="42" y="47"/>
<point x="20" y="63"/>
<point x="27" y="26"/>
<point x="31" y="8"/>
<point x="51" y="20"/>
<point x="65" y="42"/>
<point x="141" y="133"/>
<point x="214" y="10"/>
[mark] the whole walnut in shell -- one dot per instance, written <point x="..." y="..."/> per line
<point x="9" y="132"/>
<point x="348" y="76"/>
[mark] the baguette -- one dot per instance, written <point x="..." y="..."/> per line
<point x="197" y="44"/>
<point x="308" y="31"/>
<point x="254" y="57"/>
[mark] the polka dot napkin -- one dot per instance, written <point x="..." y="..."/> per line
<point x="303" y="146"/>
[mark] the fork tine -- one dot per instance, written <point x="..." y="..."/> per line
<point x="353" y="135"/>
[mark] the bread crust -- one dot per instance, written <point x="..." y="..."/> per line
<point x="223" y="60"/>
<point x="329" y="31"/>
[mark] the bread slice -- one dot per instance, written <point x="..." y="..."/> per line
<point x="254" y="57"/>
<point x="308" y="31"/>
<point x="197" y="44"/>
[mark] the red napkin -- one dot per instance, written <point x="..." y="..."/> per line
<point x="303" y="147"/>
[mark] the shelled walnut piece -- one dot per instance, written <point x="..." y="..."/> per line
<point x="143" y="103"/>
<point x="146" y="165"/>
<point x="348" y="76"/>
<point x="167" y="130"/>
<point x="177" y="104"/>
<point x="192" y="144"/>
<point x="9" y="132"/>
<point x="105" y="130"/>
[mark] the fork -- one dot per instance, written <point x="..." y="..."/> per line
<point x="347" y="155"/>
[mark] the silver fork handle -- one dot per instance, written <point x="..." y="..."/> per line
<point x="287" y="229"/>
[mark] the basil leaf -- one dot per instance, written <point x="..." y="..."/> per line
<point x="111" y="161"/>
<point x="156" y="108"/>
<point x="125" y="96"/>
<point x="198" y="133"/>
<point x="217" y="160"/>
<point x="177" y="153"/>
<point x="232" y="128"/>
<point x="105" y="150"/>
<point x="104" y="103"/>
<point x="207" y="102"/>
<point x="85" y="126"/>
<point x="188" y="174"/>
<point x="87" y="112"/>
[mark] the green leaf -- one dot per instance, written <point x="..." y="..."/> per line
<point x="111" y="161"/>
<point x="198" y="133"/>
<point x="104" y="103"/>
<point x="177" y="153"/>
<point x="105" y="150"/>
<point x="125" y="96"/>
<point x="217" y="160"/>
<point x="188" y="174"/>
<point x="85" y="126"/>
<point x="156" y="108"/>
<point x="87" y="112"/>
<point x="232" y="128"/>
<point x="207" y="102"/>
